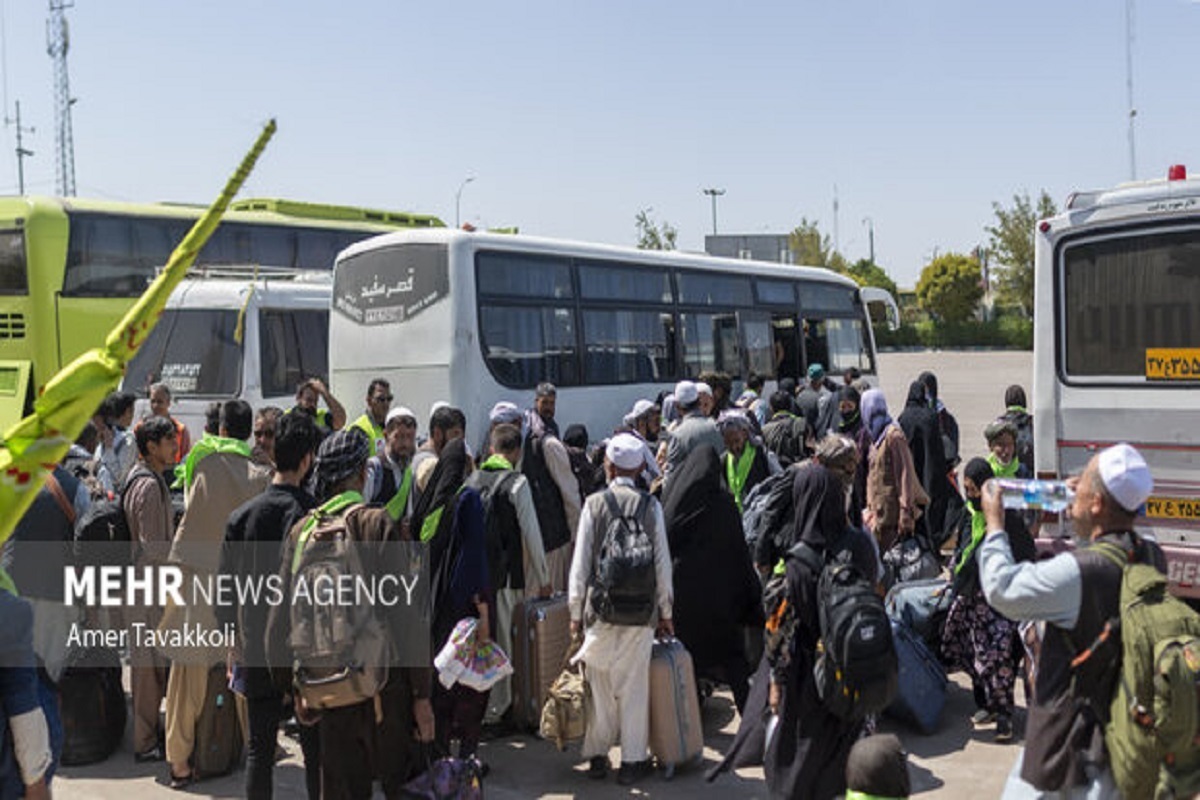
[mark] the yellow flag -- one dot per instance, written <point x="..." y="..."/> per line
<point x="35" y="444"/>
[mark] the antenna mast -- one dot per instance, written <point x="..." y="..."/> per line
<point x="57" y="43"/>
<point x="1129" y="85"/>
<point x="22" y="151"/>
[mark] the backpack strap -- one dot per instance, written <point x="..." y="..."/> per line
<point x="60" y="497"/>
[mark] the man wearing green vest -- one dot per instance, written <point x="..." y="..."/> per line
<point x="390" y="474"/>
<point x="371" y="423"/>
<point x="329" y="419"/>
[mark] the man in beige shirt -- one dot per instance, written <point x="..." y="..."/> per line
<point x="222" y="481"/>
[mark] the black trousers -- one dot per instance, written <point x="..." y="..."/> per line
<point x="265" y="712"/>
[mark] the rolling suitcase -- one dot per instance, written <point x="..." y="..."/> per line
<point x="218" y="748"/>
<point x="541" y="636"/>
<point x="676" y="735"/>
<point x="922" y="606"/>
<point x="921" y="690"/>
<point x="92" y="705"/>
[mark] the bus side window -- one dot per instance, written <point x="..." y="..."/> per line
<point x="293" y="345"/>
<point x="787" y="345"/>
<point x="100" y="259"/>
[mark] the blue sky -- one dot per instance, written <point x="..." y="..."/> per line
<point x="574" y="116"/>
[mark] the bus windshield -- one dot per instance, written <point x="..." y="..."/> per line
<point x="194" y="351"/>
<point x="1122" y="295"/>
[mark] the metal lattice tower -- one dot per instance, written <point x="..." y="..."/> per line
<point x="57" y="43"/>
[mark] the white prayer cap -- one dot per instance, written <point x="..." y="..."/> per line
<point x="1125" y="475"/>
<point x="641" y="408"/>
<point x="704" y="388"/>
<point x="400" y="412"/>
<point x="686" y="393"/>
<point x="439" y="404"/>
<point x="626" y="451"/>
<point x="504" y="411"/>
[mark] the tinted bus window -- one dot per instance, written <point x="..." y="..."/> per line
<point x="193" y="351"/>
<point x="837" y="344"/>
<point x="827" y="297"/>
<point x="1122" y="296"/>
<point x="760" y="344"/>
<point x="633" y="284"/>
<point x="779" y="293"/>
<point x="100" y="259"/>
<point x="710" y="343"/>
<point x="520" y="275"/>
<point x="706" y="289"/>
<point x="293" y="346"/>
<point x="628" y="346"/>
<point x="524" y="346"/>
<point x="13" y="274"/>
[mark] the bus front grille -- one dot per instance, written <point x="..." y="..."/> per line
<point x="12" y="326"/>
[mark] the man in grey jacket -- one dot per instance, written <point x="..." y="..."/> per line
<point x="692" y="430"/>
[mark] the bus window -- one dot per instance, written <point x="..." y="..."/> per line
<point x="525" y="345"/>
<point x="599" y="281"/>
<point x="1121" y="296"/>
<point x="293" y="346"/>
<point x="318" y="249"/>
<point x="154" y="239"/>
<point x="521" y="275"/>
<point x="829" y="298"/>
<point x="776" y="293"/>
<point x="760" y="344"/>
<point x="708" y="289"/>
<point x="13" y="274"/>
<point x="191" y="350"/>
<point x="273" y="247"/>
<point x="710" y="344"/>
<point x="837" y="344"/>
<point x="628" y="346"/>
<point x="100" y="259"/>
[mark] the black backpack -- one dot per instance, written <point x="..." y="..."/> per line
<point x="856" y="669"/>
<point x="551" y="514"/>
<point x="769" y="519"/>
<point x="785" y="437"/>
<point x="624" y="582"/>
<point x="105" y="519"/>
<point x="502" y="530"/>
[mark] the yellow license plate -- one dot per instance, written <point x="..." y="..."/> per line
<point x="1173" y="508"/>
<point x="1173" y="363"/>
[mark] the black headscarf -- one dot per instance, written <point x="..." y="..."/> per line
<point x="979" y="471"/>
<point x="930" y="382"/>
<point x="848" y="423"/>
<point x="819" y="501"/>
<point x="444" y="483"/>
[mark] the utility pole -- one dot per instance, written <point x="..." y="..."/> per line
<point x="21" y="151"/>
<point x="714" y="194"/>
<point x="870" y="223"/>
<point x="836" y="244"/>
<point x="458" y="199"/>
<point x="1129" y="85"/>
<point x="58" y="42"/>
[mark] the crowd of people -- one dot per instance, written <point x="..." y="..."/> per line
<point x="531" y="512"/>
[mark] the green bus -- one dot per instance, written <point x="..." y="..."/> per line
<point x="70" y="267"/>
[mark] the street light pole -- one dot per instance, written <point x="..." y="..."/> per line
<point x="870" y="223"/>
<point x="714" y="194"/>
<point x="458" y="200"/>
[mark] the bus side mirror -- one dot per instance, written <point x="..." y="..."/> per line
<point x="873" y="294"/>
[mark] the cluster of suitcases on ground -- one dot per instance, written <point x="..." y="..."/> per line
<point x="918" y="612"/>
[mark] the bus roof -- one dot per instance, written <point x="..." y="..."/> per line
<point x="536" y="244"/>
<point x="230" y="293"/>
<point x="1177" y="187"/>
<point x="250" y="210"/>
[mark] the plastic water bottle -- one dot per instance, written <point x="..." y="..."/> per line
<point x="1036" y="495"/>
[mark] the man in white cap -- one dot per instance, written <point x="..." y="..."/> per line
<point x="620" y="623"/>
<point x="1074" y="594"/>
<point x="638" y="423"/>
<point x="695" y="428"/>
<point x="390" y="479"/>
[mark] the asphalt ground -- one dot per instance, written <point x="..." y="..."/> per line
<point x="957" y="761"/>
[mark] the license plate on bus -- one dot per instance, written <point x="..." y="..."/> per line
<point x="1173" y="508"/>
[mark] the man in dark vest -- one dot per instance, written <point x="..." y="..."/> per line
<point x="1074" y="594"/>
<point x="546" y="464"/>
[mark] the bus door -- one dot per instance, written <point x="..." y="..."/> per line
<point x="769" y="344"/>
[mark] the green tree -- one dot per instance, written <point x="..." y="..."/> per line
<point x="809" y="247"/>
<point x="951" y="287"/>
<point x="866" y="272"/>
<point x="652" y="235"/>
<point x="1012" y="244"/>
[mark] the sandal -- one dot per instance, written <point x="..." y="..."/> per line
<point x="180" y="782"/>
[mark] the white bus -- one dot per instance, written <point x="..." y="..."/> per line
<point x="227" y="332"/>
<point x="474" y="318"/>
<point x="1117" y="348"/>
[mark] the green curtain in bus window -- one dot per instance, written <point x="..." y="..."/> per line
<point x="293" y="346"/>
<point x="526" y="345"/>
<point x="519" y="275"/>
<point x="1125" y="295"/>
<point x="710" y="343"/>
<point x="192" y="351"/>
<point x="628" y="346"/>
<point x="13" y="275"/>
<point x="606" y="281"/>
